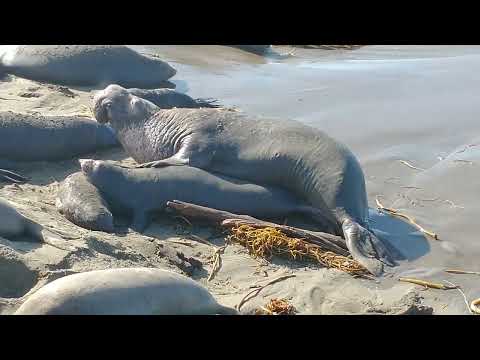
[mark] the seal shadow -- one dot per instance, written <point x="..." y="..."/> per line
<point x="404" y="239"/>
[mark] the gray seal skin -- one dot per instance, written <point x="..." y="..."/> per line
<point x="26" y="137"/>
<point x="276" y="152"/>
<point x="256" y="49"/>
<point x="13" y="224"/>
<point x="168" y="98"/>
<point x="127" y="291"/>
<point x="143" y="192"/>
<point x="81" y="203"/>
<point x="44" y="138"/>
<point x="84" y="65"/>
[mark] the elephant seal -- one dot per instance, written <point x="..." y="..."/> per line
<point x="14" y="224"/>
<point x="256" y="49"/>
<point x="142" y="192"/>
<point x="81" y="203"/>
<point x="127" y="291"/>
<point x="168" y="98"/>
<point x="84" y="65"/>
<point x="276" y="152"/>
<point x="26" y="137"/>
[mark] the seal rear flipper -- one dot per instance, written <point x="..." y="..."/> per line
<point x="140" y="222"/>
<point x="207" y="103"/>
<point x="12" y="177"/>
<point x="366" y="248"/>
<point x="47" y="237"/>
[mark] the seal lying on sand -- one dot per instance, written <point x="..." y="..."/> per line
<point x="82" y="204"/>
<point x="168" y="98"/>
<point x="276" y="152"/>
<point x="256" y="49"/>
<point x="141" y="192"/>
<point x="87" y="65"/>
<point x="14" y="224"/>
<point x="46" y="138"/>
<point x="131" y="291"/>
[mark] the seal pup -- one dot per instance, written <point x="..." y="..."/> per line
<point x="84" y="65"/>
<point x="14" y="224"/>
<point x="143" y="192"/>
<point x="277" y="152"/>
<point x="127" y="291"/>
<point x="82" y="204"/>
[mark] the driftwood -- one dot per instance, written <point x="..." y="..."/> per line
<point x="327" y="242"/>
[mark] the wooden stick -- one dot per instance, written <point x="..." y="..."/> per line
<point x="454" y="271"/>
<point x="410" y="165"/>
<point x="428" y="284"/>
<point x="255" y="292"/>
<point x="327" y="241"/>
<point x="409" y="218"/>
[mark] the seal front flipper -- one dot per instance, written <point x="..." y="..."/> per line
<point x="173" y="161"/>
<point x="366" y="248"/>
<point x="140" y="222"/>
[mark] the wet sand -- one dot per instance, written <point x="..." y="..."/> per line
<point x="387" y="103"/>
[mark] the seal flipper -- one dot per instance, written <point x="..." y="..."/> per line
<point x="12" y="177"/>
<point x="366" y="248"/>
<point x="140" y="221"/>
<point x="172" y="161"/>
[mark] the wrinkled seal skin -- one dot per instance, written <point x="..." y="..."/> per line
<point x="276" y="152"/>
<point x="142" y="192"/>
<point x="130" y="291"/>
<point x="168" y="99"/>
<point x="82" y="204"/>
<point x="84" y="65"/>
<point x="13" y="224"/>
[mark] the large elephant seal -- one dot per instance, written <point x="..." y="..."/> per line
<point x="142" y="192"/>
<point x="82" y="203"/>
<point x="276" y="152"/>
<point x="129" y="291"/>
<point x="13" y="224"/>
<point x="26" y="137"/>
<point x="87" y="65"/>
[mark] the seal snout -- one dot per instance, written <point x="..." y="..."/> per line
<point x="87" y="165"/>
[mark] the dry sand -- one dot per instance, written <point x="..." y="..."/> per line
<point x="387" y="103"/>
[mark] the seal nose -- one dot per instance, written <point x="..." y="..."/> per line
<point x="100" y="109"/>
<point x="86" y="165"/>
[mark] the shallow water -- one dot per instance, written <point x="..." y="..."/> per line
<point x="387" y="103"/>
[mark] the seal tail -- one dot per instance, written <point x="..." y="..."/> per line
<point x="207" y="103"/>
<point x="366" y="248"/>
<point x="46" y="236"/>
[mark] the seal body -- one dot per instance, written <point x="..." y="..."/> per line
<point x="26" y="137"/>
<point x="82" y="204"/>
<point x="84" y="65"/>
<point x="142" y="192"/>
<point x="277" y="152"/>
<point x="256" y="49"/>
<point x="130" y="291"/>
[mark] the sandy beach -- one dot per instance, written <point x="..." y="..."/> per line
<point x="409" y="113"/>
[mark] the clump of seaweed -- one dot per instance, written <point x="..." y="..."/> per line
<point x="267" y="242"/>
<point x="277" y="307"/>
